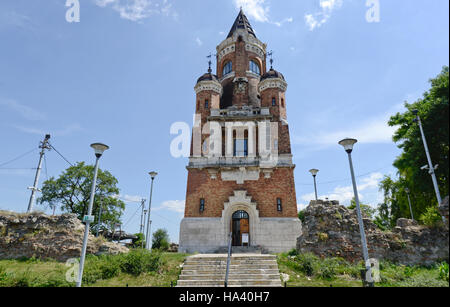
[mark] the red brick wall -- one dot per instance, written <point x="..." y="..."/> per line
<point x="264" y="192"/>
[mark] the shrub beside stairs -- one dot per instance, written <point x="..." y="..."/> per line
<point x="246" y="270"/>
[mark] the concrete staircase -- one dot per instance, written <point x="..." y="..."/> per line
<point x="246" y="270"/>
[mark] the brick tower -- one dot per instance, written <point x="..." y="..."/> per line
<point x="240" y="173"/>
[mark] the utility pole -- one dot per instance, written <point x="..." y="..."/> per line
<point x="100" y="216"/>
<point x="43" y="146"/>
<point x="149" y="223"/>
<point x="141" y="229"/>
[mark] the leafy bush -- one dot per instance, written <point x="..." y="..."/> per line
<point x="306" y="263"/>
<point x="161" y="240"/>
<point x="292" y="252"/>
<point x="431" y="217"/>
<point x="139" y="241"/>
<point x="301" y="216"/>
<point x="444" y="272"/>
<point x="141" y="261"/>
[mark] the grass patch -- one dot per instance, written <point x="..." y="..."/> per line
<point x="308" y="270"/>
<point x="138" y="268"/>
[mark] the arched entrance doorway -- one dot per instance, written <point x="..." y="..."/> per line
<point x="240" y="225"/>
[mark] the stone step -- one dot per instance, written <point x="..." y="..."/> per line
<point x="232" y="267"/>
<point x="231" y="283"/>
<point x="221" y="277"/>
<point x="232" y="262"/>
<point x="232" y="271"/>
<point x="234" y="256"/>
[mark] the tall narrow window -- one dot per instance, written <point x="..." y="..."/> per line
<point x="241" y="147"/>
<point x="202" y="205"/>
<point x="206" y="104"/>
<point x="274" y="101"/>
<point x="227" y="68"/>
<point x="254" y="67"/>
<point x="279" y="205"/>
<point x="282" y="102"/>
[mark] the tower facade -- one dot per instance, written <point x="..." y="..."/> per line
<point x="240" y="174"/>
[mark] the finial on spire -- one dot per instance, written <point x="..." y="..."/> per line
<point x="210" y="62"/>
<point x="270" y="54"/>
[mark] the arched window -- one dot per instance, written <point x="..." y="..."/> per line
<point x="254" y="67"/>
<point x="238" y="215"/>
<point x="227" y="68"/>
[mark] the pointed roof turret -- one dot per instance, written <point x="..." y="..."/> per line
<point x="241" y="22"/>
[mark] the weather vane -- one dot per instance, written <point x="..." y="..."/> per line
<point x="209" y="61"/>
<point x="270" y="54"/>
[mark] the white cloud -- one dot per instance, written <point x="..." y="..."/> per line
<point x="23" y="110"/>
<point x="256" y="9"/>
<point x="259" y="11"/>
<point x="316" y="20"/>
<point x="129" y="198"/>
<point x="344" y="194"/>
<point x="375" y="130"/>
<point x="172" y="205"/>
<point x="136" y="10"/>
<point x="198" y="41"/>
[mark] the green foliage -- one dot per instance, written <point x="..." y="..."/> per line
<point x="443" y="271"/>
<point x="141" y="261"/>
<point x="301" y="215"/>
<point x="293" y="252"/>
<point x="431" y="217"/>
<point x="136" y="262"/>
<point x="310" y="270"/>
<point x="71" y="192"/>
<point x="161" y="240"/>
<point x="366" y="210"/>
<point x="434" y="112"/>
<point x="139" y="241"/>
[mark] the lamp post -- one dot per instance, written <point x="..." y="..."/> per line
<point x="149" y="222"/>
<point x="430" y="163"/>
<point x="314" y="173"/>
<point x="409" y="201"/>
<point x="88" y="219"/>
<point x="348" y="146"/>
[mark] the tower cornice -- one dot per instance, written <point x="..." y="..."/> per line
<point x="209" y="85"/>
<point x="272" y="83"/>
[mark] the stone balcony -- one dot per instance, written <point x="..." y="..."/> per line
<point x="244" y="113"/>
<point x="233" y="162"/>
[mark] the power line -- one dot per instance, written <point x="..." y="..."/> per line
<point x="126" y="224"/>
<point x="19" y="157"/>
<point x="64" y="158"/>
<point x="341" y="180"/>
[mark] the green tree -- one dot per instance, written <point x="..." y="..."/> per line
<point x="161" y="240"/>
<point x="433" y="110"/>
<point x="366" y="210"/>
<point x="71" y="192"/>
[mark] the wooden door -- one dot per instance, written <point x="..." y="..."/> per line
<point x="245" y="230"/>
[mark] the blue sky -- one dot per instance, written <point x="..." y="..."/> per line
<point x="125" y="73"/>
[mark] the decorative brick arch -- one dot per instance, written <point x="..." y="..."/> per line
<point x="241" y="201"/>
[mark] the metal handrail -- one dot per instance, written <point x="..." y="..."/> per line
<point x="228" y="259"/>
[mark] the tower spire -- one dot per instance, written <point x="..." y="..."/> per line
<point x="241" y="22"/>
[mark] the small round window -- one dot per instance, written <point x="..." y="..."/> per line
<point x="254" y="67"/>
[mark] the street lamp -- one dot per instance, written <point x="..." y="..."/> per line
<point x="348" y="146"/>
<point x="409" y="201"/>
<point x="314" y="173"/>
<point x="430" y="163"/>
<point x="88" y="219"/>
<point x="149" y="222"/>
